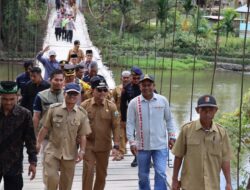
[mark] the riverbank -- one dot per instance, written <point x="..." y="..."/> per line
<point x="158" y="63"/>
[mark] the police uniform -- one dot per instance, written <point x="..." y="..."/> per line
<point x="61" y="150"/>
<point x="62" y="63"/>
<point x="104" y="120"/>
<point x="203" y="151"/>
<point x="69" y="70"/>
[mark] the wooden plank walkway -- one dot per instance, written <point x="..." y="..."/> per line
<point x="120" y="176"/>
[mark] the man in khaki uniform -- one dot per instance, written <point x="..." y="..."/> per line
<point x="205" y="148"/>
<point x="76" y="50"/>
<point x="104" y="120"/>
<point x="125" y="79"/>
<point x="65" y="122"/>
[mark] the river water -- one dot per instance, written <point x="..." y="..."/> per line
<point x="227" y="88"/>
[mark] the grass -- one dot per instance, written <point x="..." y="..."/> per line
<point x="160" y="63"/>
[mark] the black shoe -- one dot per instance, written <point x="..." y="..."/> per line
<point x="134" y="163"/>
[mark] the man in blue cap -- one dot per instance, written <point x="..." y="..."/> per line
<point x="65" y="122"/>
<point x="16" y="131"/>
<point x="129" y="92"/>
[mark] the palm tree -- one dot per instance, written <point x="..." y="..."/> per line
<point x="162" y="11"/>
<point x="188" y="7"/>
<point x="227" y="22"/>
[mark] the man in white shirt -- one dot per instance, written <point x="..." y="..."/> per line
<point x="149" y="115"/>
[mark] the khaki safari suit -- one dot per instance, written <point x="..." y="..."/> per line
<point x="203" y="153"/>
<point x="79" y="52"/>
<point x="104" y="120"/>
<point x="61" y="151"/>
<point x="117" y="99"/>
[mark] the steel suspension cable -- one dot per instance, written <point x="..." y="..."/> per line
<point x="164" y="46"/>
<point x="241" y="98"/>
<point x="172" y="53"/>
<point x="147" y="56"/>
<point x="194" y="63"/>
<point x="216" y="48"/>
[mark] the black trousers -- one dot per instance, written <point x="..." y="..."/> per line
<point x="64" y="34"/>
<point x="12" y="182"/>
<point x="58" y="32"/>
<point x="69" y="35"/>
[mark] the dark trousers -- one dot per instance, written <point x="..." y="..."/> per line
<point x="58" y="33"/>
<point x="58" y="5"/>
<point x="69" y="35"/>
<point x="64" y="34"/>
<point x="12" y="182"/>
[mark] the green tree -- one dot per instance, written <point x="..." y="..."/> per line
<point x="162" y="11"/>
<point x="188" y="7"/>
<point x="226" y="24"/>
<point x="124" y="6"/>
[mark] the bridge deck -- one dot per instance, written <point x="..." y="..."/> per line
<point x="120" y="176"/>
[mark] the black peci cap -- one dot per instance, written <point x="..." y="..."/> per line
<point x="8" y="87"/>
<point x="74" y="55"/>
<point x="89" y="51"/>
<point x="98" y="82"/>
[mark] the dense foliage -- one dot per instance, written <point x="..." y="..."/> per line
<point x="149" y="27"/>
<point x="22" y="27"/>
<point x="231" y="122"/>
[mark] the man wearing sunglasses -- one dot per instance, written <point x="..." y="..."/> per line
<point x="65" y="122"/>
<point x="104" y="122"/>
<point x="129" y="92"/>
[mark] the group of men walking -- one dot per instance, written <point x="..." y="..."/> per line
<point x="64" y="21"/>
<point x="72" y="116"/>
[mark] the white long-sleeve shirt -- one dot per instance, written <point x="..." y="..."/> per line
<point x="156" y="122"/>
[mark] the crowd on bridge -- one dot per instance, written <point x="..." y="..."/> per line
<point x="69" y="114"/>
<point x="65" y="19"/>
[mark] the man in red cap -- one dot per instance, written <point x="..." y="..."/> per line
<point x="205" y="148"/>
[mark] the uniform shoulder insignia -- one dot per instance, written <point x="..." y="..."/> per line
<point x="82" y="109"/>
<point x="111" y="103"/>
<point x="186" y="124"/>
<point x="219" y="125"/>
<point x="55" y="105"/>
